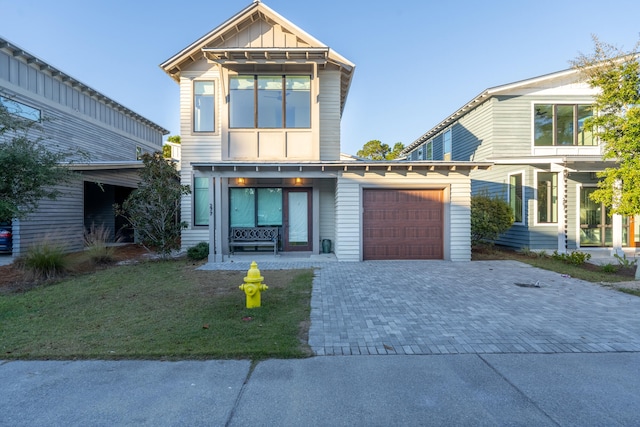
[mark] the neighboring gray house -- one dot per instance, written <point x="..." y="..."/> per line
<point x="78" y="117"/>
<point x="261" y="104"/>
<point x="545" y="161"/>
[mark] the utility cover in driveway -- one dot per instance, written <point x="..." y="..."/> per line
<point x="402" y="224"/>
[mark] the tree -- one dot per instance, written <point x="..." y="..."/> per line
<point x="29" y="170"/>
<point x="166" y="149"/>
<point x="616" y="122"/>
<point x="376" y="150"/>
<point x="153" y="208"/>
<point x="490" y="217"/>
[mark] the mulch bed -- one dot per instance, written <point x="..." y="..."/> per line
<point x="15" y="279"/>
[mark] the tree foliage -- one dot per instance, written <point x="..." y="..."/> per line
<point x="376" y="150"/>
<point x="153" y="209"/>
<point x="166" y="149"/>
<point x="490" y="217"/>
<point x="616" y="122"/>
<point x="29" y="170"/>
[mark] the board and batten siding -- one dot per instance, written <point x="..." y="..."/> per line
<point x="457" y="216"/>
<point x="329" y="103"/>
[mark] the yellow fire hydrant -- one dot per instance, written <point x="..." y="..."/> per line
<point x="253" y="285"/>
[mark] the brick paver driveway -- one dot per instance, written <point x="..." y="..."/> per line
<point x="440" y="307"/>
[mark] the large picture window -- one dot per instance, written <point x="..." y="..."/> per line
<point x="561" y="124"/>
<point x="516" y="196"/>
<point x="270" y="101"/>
<point x="547" y="197"/>
<point x="203" y="107"/>
<point x="251" y="207"/>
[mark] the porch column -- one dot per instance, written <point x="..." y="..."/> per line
<point x="562" y="207"/>
<point x="218" y="218"/>
<point x="616" y="226"/>
<point x="215" y="219"/>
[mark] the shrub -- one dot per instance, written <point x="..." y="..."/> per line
<point x="45" y="260"/>
<point x="625" y="262"/>
<point x="490" y="217"/>
<point x="574" y="258"/>
<point x="198" y="252"/>
<point x="95" y="241"/>
<point x="608" y="268"/>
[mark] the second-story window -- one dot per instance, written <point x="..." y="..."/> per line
<point x="203" y="106"/>
<point x="561" y="124"/>
<point x="270" y="101"/>
<point x="19" y="109"/>
<point x="446" y="145"/>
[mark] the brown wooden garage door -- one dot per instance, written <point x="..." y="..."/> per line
<point x="402" y="224"/>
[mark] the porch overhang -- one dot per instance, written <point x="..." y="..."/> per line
<point x="325" y="169"/>
<point x="572" y="163"/>
<point x="94" y="166"/>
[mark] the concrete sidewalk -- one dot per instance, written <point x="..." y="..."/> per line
<point x="474" y="390"/>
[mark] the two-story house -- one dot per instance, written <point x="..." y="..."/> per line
<point x="546" y="161"/>
<point x="75" y="117"/>
<point x="261" y="103"/>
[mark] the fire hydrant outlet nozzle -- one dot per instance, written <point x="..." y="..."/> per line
<point x="253" y="285"/>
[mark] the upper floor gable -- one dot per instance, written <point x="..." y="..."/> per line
<point x="260" y="37"/>
<point x="535" y="117"/>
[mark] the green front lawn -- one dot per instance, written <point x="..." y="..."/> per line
<point x="157" y="310"/>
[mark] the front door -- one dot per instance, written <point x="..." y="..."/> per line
<point x="596" y="227"/>
<point x="297" y="219"/>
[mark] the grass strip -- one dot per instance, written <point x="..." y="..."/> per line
<point x="157" y="310"/>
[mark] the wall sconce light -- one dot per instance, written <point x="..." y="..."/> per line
<point x="298" y="181"/>
<point x="240" y="181"/>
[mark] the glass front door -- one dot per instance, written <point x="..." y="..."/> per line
<point x="595" y="223"/>
<point x="297" y="224"/>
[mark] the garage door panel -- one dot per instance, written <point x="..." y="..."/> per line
<point x="402" y="224"/>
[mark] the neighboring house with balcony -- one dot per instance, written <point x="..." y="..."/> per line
<point x="261" y="103"/>
<point x="545" y="159"/>
<point x="74" y="116"/>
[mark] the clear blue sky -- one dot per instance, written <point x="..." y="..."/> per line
<point x="417" y="61"/>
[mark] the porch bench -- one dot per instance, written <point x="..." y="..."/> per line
<point x="253" y="236"/>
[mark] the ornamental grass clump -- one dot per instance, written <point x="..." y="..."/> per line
<point x="96" y="242"/>
<point x="45" y="260"/>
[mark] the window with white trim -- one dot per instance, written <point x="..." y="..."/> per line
<point x="446" y="145"/>
<point x="203" y="106"/>
<point x="547" y="196"/>
<point x="270" y="101"/>
<point x="516" y="196"/>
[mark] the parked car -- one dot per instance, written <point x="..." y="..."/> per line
<point x="5" y="238"/>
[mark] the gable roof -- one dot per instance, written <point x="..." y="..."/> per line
<point x="487" y="94"/>
<point x="217" y="46"/>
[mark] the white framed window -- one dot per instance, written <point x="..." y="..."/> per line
<point x="546" y="198"/>
<point x="201" y="201"/>
<point x="204" y="106"/>
<point x="562" y="125"/>
<point x="429" y="150"/>
<point x="516" y="196"/>
<point x="270" y="101"/>
<point x="446" y="144"/>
